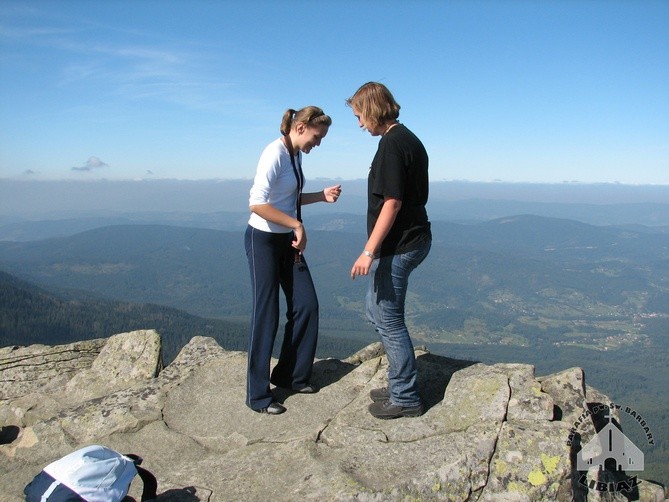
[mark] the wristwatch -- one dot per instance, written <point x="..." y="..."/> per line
<point x="367" y="253"/>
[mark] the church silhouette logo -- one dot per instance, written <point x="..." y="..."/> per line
<point x="610" y="444"/>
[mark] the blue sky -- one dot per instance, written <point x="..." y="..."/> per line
<point x="513" y="91"/>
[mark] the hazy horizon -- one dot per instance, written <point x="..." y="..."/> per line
<point x="37" y="198"/>
<point x="22" y="179"/>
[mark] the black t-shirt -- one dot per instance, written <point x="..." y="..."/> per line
<point x="399" y="170"/>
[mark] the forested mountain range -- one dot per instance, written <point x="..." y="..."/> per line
<point x="550" y="292"/>
<point x="31" y="315"/>
<point x="501" y="267"/>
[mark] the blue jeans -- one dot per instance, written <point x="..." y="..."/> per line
<point x="386" y="295"/>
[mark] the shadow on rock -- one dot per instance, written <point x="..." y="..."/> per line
<point x="329" y="371"/>
<point x="9" y="433"/>
<point x="325" y="373"/>
<point x="188" y="494"/>
<point x="434" y="373"/>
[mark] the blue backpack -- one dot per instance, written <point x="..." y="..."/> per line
<point x="92" y="474"/>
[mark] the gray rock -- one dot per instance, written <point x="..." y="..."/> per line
<point x="124" y="361"/>
<point x="489" y="432"/>
<point x="41" y="368"/>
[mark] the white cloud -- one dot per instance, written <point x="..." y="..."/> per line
<point x="91" y="163"/>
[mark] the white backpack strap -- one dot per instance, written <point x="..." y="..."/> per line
<point x="47" y="493"/>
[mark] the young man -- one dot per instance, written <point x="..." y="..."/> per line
<point x="399" y="239"/>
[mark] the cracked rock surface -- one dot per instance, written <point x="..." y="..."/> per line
<point x="489" y="432"/>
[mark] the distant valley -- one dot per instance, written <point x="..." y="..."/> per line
<point x="508" y="281"/>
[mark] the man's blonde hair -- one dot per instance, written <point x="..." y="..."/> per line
<point x="375" y="103"/>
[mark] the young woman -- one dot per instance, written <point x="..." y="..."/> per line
<point x="275" y="239"/>
<point x="399" y="239"/>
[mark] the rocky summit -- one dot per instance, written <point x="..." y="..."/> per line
<point x="489" y="432"/>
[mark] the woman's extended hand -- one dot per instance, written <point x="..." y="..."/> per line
<point x="331" y="194"/>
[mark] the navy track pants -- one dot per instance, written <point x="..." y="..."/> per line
<point x="273" y="266"/>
